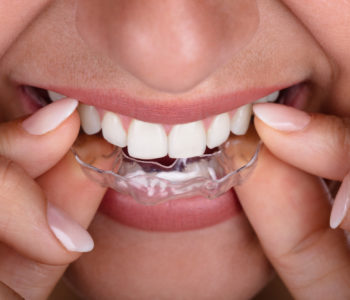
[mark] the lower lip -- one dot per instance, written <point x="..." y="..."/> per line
<point x="175" y="215"/>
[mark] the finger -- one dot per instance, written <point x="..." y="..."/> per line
<point x="40" y="141"/>
<point x="31" y="226"/>
<point x="7" y="293"/>
<point x="289" y="211"/>
<point x="67" y="187"/>
<point x="340" y="215"/>
<point x="318" y="144"/>
<point x="30" y="279"/>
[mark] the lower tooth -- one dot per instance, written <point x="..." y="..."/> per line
<point x="187" y="140"/>
<point x="90" y="119"/>
<point x="147" y="140"/>
<point x="241" y="120"/>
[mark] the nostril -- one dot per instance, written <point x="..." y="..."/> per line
<point x="170" y="45"/>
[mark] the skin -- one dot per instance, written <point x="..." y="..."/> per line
<point x="308" y="41"/>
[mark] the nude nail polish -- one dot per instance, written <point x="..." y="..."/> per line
<point x="70" y="234"/>
<point x="49" y="117"/>
<point x="281" y="117"/>
<point x="341" y="203"/>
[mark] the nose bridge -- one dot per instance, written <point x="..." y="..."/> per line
<point x="170" y="45"/>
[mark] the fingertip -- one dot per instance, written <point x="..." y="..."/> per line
<point x="49" y="117"/>
<point x="38" y="153"/>
<point x="71" y="234"/>
<point x="281" y="117"/>
<point x="341" y="204"/>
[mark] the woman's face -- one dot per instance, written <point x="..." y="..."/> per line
<point x="168" y="62"/>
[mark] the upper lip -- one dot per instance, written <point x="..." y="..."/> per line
<point x="174" y="111"/>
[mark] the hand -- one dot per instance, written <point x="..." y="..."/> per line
<point x="45" y="201"/>
<point x="288" y="204"/>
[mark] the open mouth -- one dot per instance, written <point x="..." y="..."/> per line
<point x="149" y="141"/>
<point x="161" y="142"/>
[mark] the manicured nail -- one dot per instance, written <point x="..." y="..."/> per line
<point x="341" y="203"/>
<point x="49" y="117"/>
<point x="281" y="117"/>
<point x="71" y="234"/>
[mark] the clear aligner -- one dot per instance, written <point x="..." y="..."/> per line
<point x="149" y="183"/>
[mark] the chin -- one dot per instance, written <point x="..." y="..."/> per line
<point x="222" y="261"/>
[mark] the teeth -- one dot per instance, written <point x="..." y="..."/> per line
<point x="218" y="131"/>
<point x="55" y="96"/>
<point x="269" y="98"/>
<point x="241" y="120"/>
<point x="150" y="141"/>
<point x="147" y="140"/>
<point x="187" y="140"/>
<point x="112" y="130"/>
<point x="273" y="97"/>
<point x="90" y="119"/>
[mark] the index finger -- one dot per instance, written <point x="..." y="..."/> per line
<point x="40" y="141"/>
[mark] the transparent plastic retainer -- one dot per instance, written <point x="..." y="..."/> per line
<point x="150" y="183"/>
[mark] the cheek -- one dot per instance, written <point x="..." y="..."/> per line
<point x="220" y="261"/>
<point x="25" y="11"/>
<point x="329" y="23"/>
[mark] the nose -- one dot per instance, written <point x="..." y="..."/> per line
<point x="169" y="45"/>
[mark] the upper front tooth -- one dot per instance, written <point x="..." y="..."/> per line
<point x="113" y="130"/>
<point x="147" y="140"/>
<point x="187" y="140"/>
<point x="55" y="96"/>
<point x="218" y="131"/>
<point x="241" y="119"/>
<point x="90" y="118"/>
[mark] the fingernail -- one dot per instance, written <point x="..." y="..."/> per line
<point x="341" y="203"/>
<point x="71" y="234"/>
<point x="49" y="117"/>
<point x="281" y="117"/>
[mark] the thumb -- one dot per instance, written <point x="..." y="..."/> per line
<point x="318" y="144"/>
<point x="315" y="143"/>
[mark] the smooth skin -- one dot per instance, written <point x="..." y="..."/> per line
<point x="285" y="201"/>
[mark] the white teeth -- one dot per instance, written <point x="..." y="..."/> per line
<point x="187" y="140"/>
<point x="113" y="130"/>
<point x="55" y="96"/>
<point x="269" y="98"/>
<point x="147" y="140"/>
<point x="241" y="119"/>
<point x="273" y="97"/>
<point x="218" y="131"/>
<point x="150" y="141"/>
<point x="90" y="119"/>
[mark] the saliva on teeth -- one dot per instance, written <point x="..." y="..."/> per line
<point x="145" y="140"/>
